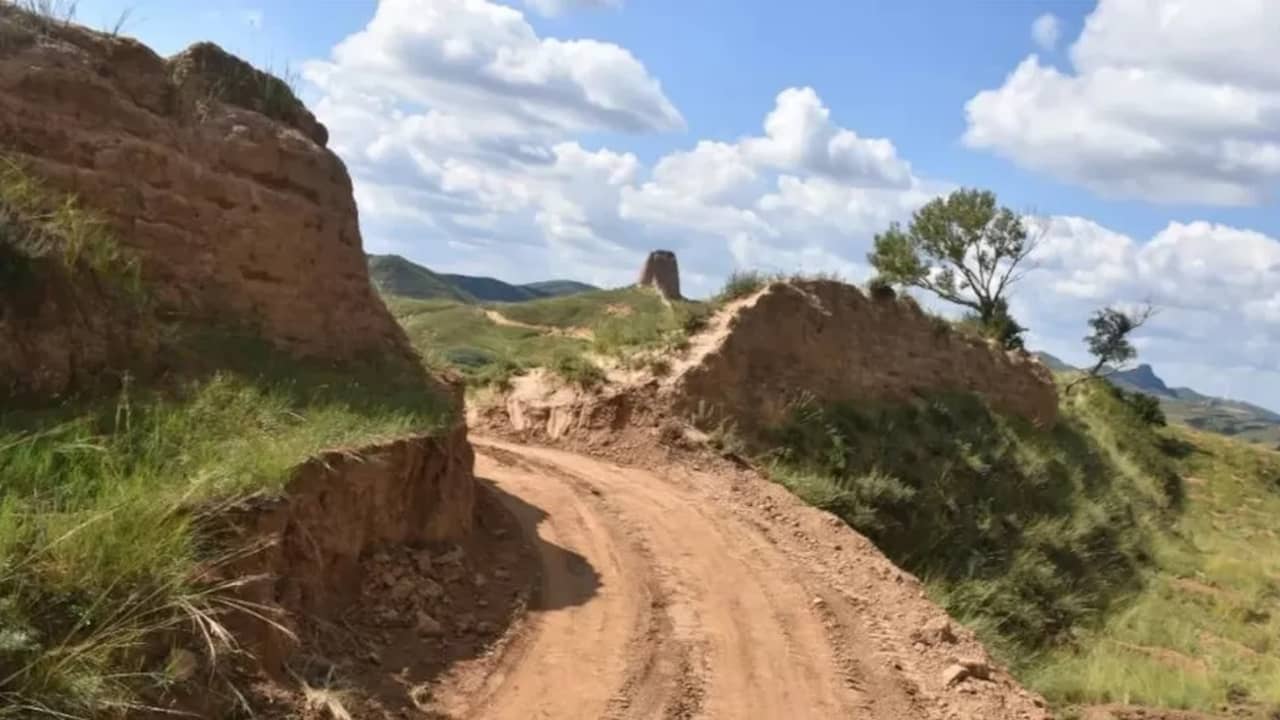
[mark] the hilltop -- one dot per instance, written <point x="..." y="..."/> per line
<point x="1233" y="418"/>
<point x="396" y="276"/>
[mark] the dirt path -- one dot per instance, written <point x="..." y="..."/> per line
<point x="498" y="318"/>
<point x="656" y="603"/>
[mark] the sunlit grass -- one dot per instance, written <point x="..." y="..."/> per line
<point x="98" y="554"/>
<point x="1209" y="615"/>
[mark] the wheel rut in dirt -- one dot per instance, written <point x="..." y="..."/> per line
<point x="690" y="615"/>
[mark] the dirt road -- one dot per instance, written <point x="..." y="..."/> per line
<point x="659" y="600"/>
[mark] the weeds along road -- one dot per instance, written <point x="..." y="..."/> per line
<point x="657" y="601"/>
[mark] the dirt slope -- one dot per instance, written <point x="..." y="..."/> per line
<point x="669" y="592"/>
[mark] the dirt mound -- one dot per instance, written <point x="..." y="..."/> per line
<point x="826" y="340"/>
<point x="337" y="509"/>
<point x="662" y="272"/>
<point x="211" y="172"/>
<point x="761" y="354"/>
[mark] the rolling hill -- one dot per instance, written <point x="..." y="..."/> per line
<point x="394" y="275"/>
<point x="1233" y="418"/>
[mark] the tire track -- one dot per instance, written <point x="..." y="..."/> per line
<point x="725" y="630"/>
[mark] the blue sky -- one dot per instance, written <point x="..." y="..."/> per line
<point x="890" y="68"/>
<point x="532" y="138"/>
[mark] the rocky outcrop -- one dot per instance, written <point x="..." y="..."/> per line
<point x="213" y="173"/>
<point x="308" y="544"/>
<point x="830" y="342"/>
<point x="662" y="273"/>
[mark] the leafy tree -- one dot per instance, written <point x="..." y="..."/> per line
<point x="1109" y="342"/>
<point x="966" y="250"/>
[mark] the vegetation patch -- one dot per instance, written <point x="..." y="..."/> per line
<point x="630" y="325"/>
<point x="462" y="337"/>
<point x="578" y="370"/>
<point x="1202" y="632"/>
<point x="1026" y="534"/>
<point x="98" y="557"/>
<point x="742" y="283"/>
<point x="37" y="223"/>
<point x="1111" y="559"/>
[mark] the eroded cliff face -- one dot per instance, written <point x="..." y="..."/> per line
<point x="308" y="547"/>
<point x="830" y="342"/>
<point x="211" y="172"/>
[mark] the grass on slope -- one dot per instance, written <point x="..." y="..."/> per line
<point x="622" y="320"/>
<point x="98" y="500"/>
<point x="1205" y="630"/>
<point x="626" y="324"/>
<point x="1107" y="560"/>
<point x="463" y="337"/>
<point x="37" y="224"/>
<point x="1024" y="533"/>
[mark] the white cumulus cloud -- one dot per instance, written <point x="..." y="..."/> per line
<point x="1166" y="100"/>
<point x="470" y="142"/>
<point x="485" y="60"/>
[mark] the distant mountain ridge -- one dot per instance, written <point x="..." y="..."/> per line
<point x="395" y="275"/>
<point x="1234" y="418"/>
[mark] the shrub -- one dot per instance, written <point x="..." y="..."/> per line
<point x="941" y="326"/>
<point x="577" y="369"/>
<point x="999" y="326"/>
<point x="660" y="367"/>
<point x="1144" y="407"/>
<point x="740" y="284"/>
<point x="881" y="289"/>
<point x="469" y="358"/>
<point x="693" y="317"/>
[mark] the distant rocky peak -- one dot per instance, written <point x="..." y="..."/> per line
<point x="1144" y="378"/>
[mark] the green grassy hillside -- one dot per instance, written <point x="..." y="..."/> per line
<point x="1107" y="560"/>
<point x="557" y="288"/>
<point x="395" y="276"/>
<point x="625" y="326"/>
<point x="487" y="289"/>
<point x="461" y="336"/>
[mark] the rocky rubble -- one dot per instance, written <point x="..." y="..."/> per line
<point x="420" y="610"/>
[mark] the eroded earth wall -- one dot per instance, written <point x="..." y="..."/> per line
<point x="212" y="173"/>
<point x="828" y="341"/>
